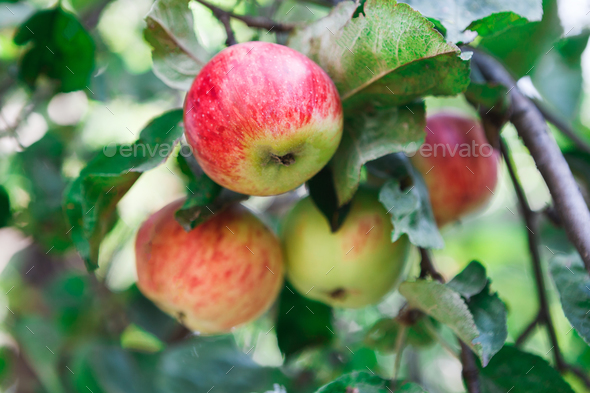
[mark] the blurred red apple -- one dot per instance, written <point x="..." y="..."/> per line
<point x="262" y="118"/>
<point x="458" y="164"/>
<point x="225" y="272"/>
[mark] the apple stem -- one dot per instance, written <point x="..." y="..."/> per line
<point x="286" y="160"/>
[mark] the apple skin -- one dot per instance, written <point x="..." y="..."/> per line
<point x="458" y="185"/>
<point x="262" y="118"/>
<point x="353" y="267"/>
<point x="210" y="279"/>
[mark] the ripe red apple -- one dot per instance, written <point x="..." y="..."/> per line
<point x="225" y="272"/>
<point x="353" y="267"/>
<point x="458" y="164"/>
<point x="262" y="118"/>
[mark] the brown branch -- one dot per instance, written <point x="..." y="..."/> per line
<point x="532" y="128"/>
<point x="544" y="316"/>
<point x="252" y="21"/>
<point x="562" y="125"/>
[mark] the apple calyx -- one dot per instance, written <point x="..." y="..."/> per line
<point x="286" y="160"/>
<point x="339" y="293"/>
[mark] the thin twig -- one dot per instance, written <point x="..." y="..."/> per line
<point x="562" y="125"/>
<point x="544" y="316"/>
<point x="427" y="267"/>
<point x="533" y="130"/>
<point x="527" y="331"/>
<point x="470" y="372"/>
<point x="400" y="343"/>
<point x="252" y="21"/>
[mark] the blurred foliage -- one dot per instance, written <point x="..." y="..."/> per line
<point x="70" y="202"/>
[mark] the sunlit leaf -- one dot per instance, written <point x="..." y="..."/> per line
<point x="387" y="56"/>
<point x="91" y="200"/>
<point x="176" y="52"/>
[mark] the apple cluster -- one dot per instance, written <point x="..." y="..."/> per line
<point x="262" y="119"/>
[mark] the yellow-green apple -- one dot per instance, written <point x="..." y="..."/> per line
<point x="458" y="164"/>
<point x="262" y="118"/>
<point x="225" y="272"/>
<point x="353" y="267"/>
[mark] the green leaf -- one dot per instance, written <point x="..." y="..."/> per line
<point x="496" y="23"/>
<point x="558" y="75"/>
<point x="302" y="322"/>
<point x="520" y="47"/>
<point x="488" y="311"/>
<point x="446" y="306"/>
<point x="487" y="94"/>
<point x="199" y="364"/>
<point x="518" y="371"/>
<point x="177" y="54"/>
<point x="135" y="338"/>
<point x="457" y="15"/>
<point x="389" y="56"/>
<point x="372" y="135"/>
<point x="406" y="199"/>
<point x="363" y="382"/>
<point x="91" y="200"/>
<point x="573" y="284"/>
<point x="4" y="207"/>
<point x="382" y="335"/>
<point x="323" y="193"/>
<point x="41" y="343"/>
<point x="471" y="281"/>
<point x="61" y="49"/>
<point x="204" y="196"/>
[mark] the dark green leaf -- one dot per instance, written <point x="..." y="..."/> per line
<point x="4" y="207"/>
<point x="438" y="26"/>
<point x="573" y="283"/>
<point x="368" y="136"/>
<point x="488" y="311"/>
<point x="41" y="163"/>
<point x="302" y="322"/>
<point x="37" y="339"/>
<point x="142" y="312"/>
<point x="446" y="306"/>
<point x="364" y="382"/>
<point x="579" y="163"/>
<point x="458" y="14"/>
<point x="389" y="56"/>
<point x="199" y="364"/>
<point x="558" y="75"/>
<point x="487" y="94"/>
<point x="61" y="49"/>
<point x="177" y="54"/>
<point x="406" y="199"/>
<point x="323" y="193"/>
<point x="204" y="196"/>
<point x="496" y="23"/>
<point x="471" y="281"/>
<point x="489" y="315"/>
<point x="91" y="200"/>
<point x="518" y="371"/>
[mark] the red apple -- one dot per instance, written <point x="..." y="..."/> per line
<point x="225" y="272"/>
<point x="262" y="118"/>
<point x="458" y="164"/>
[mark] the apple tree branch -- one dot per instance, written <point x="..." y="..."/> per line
<point x="532" y="128"/>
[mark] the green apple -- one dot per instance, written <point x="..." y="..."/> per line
<point x="353" y="267"/>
